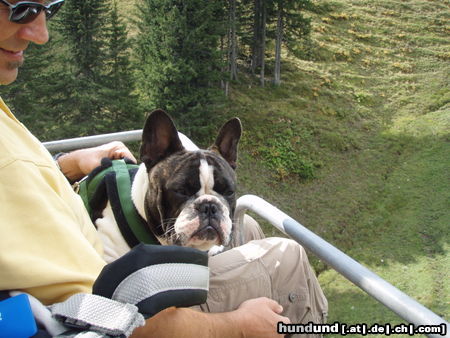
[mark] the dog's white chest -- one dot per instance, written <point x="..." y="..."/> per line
<point x="114" y="245"/>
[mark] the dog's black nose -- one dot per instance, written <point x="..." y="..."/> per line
<point x="209" y="209"/>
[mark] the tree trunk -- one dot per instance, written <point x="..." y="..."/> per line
<point x="225" y="67"/>
<point x="256" y="62"/>
<point x="279" y="39"/>
<point x="233" y="41"/>
<point x="263" y="42"/>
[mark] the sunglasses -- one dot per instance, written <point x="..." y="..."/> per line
<point x="26" y="11"/>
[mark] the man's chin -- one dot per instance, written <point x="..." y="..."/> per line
<point x="8" y="76"/>
<point x="13" y="65"/>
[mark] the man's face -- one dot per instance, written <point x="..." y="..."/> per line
<point x="14" y="39"/>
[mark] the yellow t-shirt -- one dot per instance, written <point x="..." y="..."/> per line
<point x="48" y="245"/>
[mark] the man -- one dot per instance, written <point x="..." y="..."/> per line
<point x="50" y="248"/>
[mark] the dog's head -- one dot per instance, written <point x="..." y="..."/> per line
<point x="192" y="194"/>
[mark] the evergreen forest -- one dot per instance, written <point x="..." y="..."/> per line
<point x="105" y="70"/>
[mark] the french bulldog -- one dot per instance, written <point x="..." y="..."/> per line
<point x="186" y="195"/>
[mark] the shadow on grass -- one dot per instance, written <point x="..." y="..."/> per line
<point x="356" y="307"/>
<point x="410" y="218"/>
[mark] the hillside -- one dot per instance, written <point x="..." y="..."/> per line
<point x="369" y="109"/>
<point x="355" y="145"/>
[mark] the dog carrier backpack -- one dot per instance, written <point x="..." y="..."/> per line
<point x="111" y="181"/>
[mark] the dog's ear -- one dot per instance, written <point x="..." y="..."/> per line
<point x="227" y="141"/>
<point x="159" y="138"/>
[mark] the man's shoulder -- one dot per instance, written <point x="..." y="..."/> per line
<point x="18" y="144"/>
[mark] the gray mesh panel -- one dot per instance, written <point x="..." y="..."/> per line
<point x="154" y="279"/>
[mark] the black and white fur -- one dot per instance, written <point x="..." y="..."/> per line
<point x="186" y="195"/>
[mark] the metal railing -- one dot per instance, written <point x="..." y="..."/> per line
<point x="384" y="292"/>
<point x="92" y="141"/>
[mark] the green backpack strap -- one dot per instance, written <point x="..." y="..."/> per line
<point x="134" y="220"/>
<point x="88" y="187"/>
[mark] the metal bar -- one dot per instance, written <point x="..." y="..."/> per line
<point x="92" y="141"/>
<point x="404" y="306"/>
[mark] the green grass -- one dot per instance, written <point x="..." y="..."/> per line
<point x="370" y="110"/>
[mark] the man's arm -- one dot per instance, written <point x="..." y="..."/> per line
<point x="80" y="163"/>
<point x="255" y="318"/>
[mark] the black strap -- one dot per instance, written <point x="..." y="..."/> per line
<point x="112" y="181"/>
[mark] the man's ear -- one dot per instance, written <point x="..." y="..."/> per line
<point x="159" y="138"/>
<point x="227" y="141"/>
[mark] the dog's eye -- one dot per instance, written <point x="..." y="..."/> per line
<point x="228" y="193"/>
<point x="224" y="189"/>
<point x="182" y="192"/>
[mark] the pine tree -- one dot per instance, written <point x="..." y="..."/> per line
<point x="178" y="57"/>
<point x="98" y="96"/>
<point x="118" y="86"/>
<point x="232" y="40"/>
<point x="291" y="25"/>
<point x="247" y="31"/>
<point x="263" y="20"/>
<point x="81" y="24"/>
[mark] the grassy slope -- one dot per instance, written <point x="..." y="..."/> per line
<point x="372" y="111"/>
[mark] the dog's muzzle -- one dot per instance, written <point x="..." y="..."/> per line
<point x="210" y="214"/>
